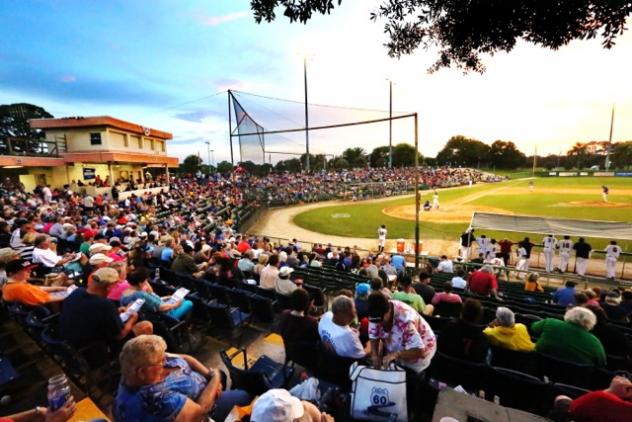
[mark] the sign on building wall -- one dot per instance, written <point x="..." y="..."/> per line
<point x="89" y="173"/>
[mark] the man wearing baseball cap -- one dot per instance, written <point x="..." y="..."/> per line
<point x="18" y="289"/>
<point x="88" y="316"/>
<point x="278" y="405"/>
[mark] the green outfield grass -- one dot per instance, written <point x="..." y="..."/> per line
<point x="567" y="200"/>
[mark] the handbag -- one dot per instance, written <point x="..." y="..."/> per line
<point x="378" y="394"/>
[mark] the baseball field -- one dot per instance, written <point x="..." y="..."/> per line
<point x="569" y="197"/>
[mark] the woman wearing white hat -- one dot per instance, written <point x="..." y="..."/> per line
<point x="278" y="405"/>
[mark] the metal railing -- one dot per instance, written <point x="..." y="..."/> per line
<point x="28" y="147"/>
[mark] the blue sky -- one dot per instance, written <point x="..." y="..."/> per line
<point x="158" y="63"/>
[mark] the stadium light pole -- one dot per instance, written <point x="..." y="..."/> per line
<point x="230" y="129"/>
<point x="417" y="199"/>
<point x="607" y="163"/>
<point x="306" y="115"/>
<point x="208" y="152"/>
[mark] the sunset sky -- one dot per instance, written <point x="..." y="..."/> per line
<point x="159" y="63"/>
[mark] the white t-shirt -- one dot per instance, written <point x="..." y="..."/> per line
<point x="344" y="340"/>
<point x="458" y="282"/>
<point x="445" y="266"/>
<point x="46" y="257"/>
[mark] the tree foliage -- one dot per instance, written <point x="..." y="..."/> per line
<point x="191" y="164"/>
<point x="621" y="155"/>
<point x="14" y="120"/>
<point x="224" y="167"/>
<point x="463" y="30"/>
<point x="356" y="157"/>
<point x="505" y="155"/>
<point x="379" y="157"/>
<point x="462" y="151"/>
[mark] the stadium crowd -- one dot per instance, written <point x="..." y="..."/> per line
<point x="107" y="248"/>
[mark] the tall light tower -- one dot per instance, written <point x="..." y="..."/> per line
<point x="609" y="147"/>
<point x="208" y="150"/>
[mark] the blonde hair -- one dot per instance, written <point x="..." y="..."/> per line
<point x="582" y="317"/>
<point x="263" y="259"/>
<point x="140" y="351"/>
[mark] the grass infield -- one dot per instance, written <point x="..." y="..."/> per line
<point x="572" y="197"/>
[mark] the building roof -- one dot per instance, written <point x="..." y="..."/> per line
<point x="82" y="122"/>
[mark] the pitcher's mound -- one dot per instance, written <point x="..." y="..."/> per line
<point x="445" y="214"/>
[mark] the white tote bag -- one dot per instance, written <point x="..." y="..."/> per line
<point x="378" y="394"/>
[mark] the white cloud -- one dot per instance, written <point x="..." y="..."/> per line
<point x="221" y="19"/>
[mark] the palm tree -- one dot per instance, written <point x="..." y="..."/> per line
<point x="356" y="157"/>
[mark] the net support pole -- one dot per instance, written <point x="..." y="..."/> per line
<point x="390" y="124"/>
<point x="306" y="117"/>
<point x="230" y="129"/>
<point x="417" y="198"/>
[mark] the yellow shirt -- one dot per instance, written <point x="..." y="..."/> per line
<point x="512" y="338"/>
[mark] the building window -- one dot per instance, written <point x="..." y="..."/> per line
<point x="95" y="138"/>
<point x="125" y="140"/>
<point x="162" y="146"/>
<point x="140" y="142"/>
<point x="152" y="144"/>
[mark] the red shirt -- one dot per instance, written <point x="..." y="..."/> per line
<point x="243" y="246"/>
<point x="505" y="246"/>
<point x="601" y="406"/>
<point x="482" y="283"/>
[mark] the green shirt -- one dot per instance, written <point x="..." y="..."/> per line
<point x="184" y="264"/>
<point x="568" y="342"/>
<point x="412" y="299"/>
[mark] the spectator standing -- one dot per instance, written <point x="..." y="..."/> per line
<point x="404" y="335"/>
<point x="465" y="243"/>
<point x="505" y="250"/>
<point x="483" y="282"/>
<point x="565" y="247"/>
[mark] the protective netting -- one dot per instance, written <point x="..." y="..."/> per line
<point x="251" y="147"/>
<point x="555" y="226"/>
<point x="287" y="118"/>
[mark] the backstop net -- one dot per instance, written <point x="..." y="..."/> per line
<point x="269" y="130"/>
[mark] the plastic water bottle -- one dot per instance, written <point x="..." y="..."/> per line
<point x="58" y="392"/>
<point x="157" y="275"/>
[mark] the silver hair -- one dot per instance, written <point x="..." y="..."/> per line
<point x="140" y="351"/>
<point x="487" y="269"/>
<point x="342" y="305"/>
<point x="505" y="316"/>
<point x="582" y="317"/>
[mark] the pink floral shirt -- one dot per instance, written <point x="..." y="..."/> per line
<point x="409" y="331"/>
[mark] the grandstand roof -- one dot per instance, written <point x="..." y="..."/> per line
<point x="80" y="122"/>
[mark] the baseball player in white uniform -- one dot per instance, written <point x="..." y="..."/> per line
<point x="612" y="254"/>
<point x="381" y="238"/>
<point x="565" y="247"/>
<point x="523" y="261"/>
<point x="548" y="245"/>
<point x="435" y="200"/>
<point x="483" y="244"/>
